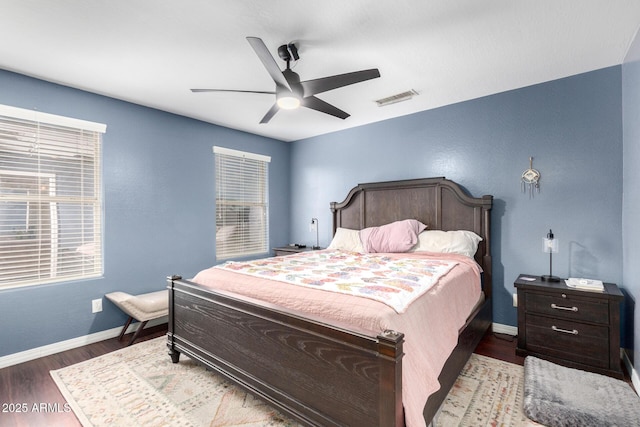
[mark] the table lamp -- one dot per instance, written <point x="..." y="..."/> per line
<point x="550" y="245"/>
<point x="314" y="224"/>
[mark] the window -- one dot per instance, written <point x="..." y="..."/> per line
<point x="241" y="203"/>
<point x="50" y="198"/>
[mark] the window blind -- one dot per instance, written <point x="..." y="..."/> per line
<point x="241" y="203"/>
<point x="50" y="198"/>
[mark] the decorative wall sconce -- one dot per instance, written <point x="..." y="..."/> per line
<point x="550" y="245"/>
<point x="530" y="180"/>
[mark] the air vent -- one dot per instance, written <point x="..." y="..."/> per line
<point x="396" y="98"/>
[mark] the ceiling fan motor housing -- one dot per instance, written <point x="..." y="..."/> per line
<point x="294" y="81"/>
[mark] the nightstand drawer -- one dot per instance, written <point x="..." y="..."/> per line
<point x="568" y="340"/>
<point x="568" y="307"/>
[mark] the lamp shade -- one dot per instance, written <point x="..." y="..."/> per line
<point x="550" y="245"/>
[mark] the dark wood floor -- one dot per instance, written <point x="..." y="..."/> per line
<point x="500" y="346"/>
<point x="29" y="383"/>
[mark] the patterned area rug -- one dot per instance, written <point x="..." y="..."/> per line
<point x="139" y="386"/>
<point x="488" y="392"/>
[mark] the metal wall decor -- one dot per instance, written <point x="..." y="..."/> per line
<point x="530" y="180"/>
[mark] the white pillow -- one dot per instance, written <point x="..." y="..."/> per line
<point x="461" y="242"/>
<point x="347" y="240"/>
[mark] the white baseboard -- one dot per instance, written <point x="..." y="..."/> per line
<point x="505" y="329"/>
<point x="35" y="353"/>
<point x="635" y="379"/>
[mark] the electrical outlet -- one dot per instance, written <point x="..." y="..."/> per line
<point x="96" y="305"/>
<point x="515" y="300"/>
<point x="314" y="224"/>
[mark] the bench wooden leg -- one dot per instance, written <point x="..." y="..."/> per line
<point x="140" y="328"/>
<point x="124" y="329"/>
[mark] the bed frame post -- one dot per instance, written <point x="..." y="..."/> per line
<point x="390" y="345"/>
<point x="175" y="354"/>
<point x="486" y="262"/>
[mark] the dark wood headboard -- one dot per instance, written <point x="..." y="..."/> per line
<point x="439" y="203"/>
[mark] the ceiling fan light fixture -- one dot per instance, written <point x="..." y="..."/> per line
<point x="288" y="101"/>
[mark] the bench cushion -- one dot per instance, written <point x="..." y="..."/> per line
<point x="142" y="307"/>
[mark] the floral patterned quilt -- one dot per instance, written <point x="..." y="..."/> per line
<point x="393" y="281"/>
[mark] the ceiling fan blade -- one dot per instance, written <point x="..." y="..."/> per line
<point x="272" y="112"/>
<point x="324" y="107"/>
<point x="267" y="60"/>
<point x="231" y="90"/>
<point x="313" y="87"/>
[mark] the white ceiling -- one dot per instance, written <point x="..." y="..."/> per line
<point x="151" y="52"/>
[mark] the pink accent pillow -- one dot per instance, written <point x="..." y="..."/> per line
<point x="399" y="236"/>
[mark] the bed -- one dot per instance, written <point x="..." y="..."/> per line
<point x="329" y="373"/>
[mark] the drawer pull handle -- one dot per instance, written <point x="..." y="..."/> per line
<point x="559" y="307"/>
<point x="573" y="332"/>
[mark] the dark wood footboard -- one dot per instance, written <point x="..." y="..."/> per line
<point x="316" y="373"/>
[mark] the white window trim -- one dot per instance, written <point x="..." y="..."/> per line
<point x="37" y="117"/>
<point x="244" y="154"/>
<point x="220" y="255"/>
<point x="52" y="119"/>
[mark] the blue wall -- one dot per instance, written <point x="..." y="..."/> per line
<point x="158" y="176"/>
<point x="159" y="209"/>
<point x="631" y="197"/>
<point x="573" y="129"/>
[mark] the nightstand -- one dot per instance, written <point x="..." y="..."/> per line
<point x="575" y="328"/>
<point x="288" y="250"/>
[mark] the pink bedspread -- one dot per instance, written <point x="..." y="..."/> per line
<point x="430" y="323"/>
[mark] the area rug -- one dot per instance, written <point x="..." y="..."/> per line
<point x="488" y="392"/>
<point x="558" y="396"/>
<point x="139" y="386"/>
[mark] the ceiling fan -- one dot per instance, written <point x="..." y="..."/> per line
<point x="290" y="92"/>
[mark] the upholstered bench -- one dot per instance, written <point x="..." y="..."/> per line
<point x="142" y="307"/>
